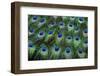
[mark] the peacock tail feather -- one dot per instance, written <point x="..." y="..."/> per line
<point x="57" y="37"/>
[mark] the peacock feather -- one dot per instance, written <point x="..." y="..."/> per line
<point x="55" y="52"/>
<point x="68" y="53"/>
<point x="57" y="37"/>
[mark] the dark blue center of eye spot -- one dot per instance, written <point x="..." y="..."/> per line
<point x="59" y="35"/>
<point x="85" y="31"/>
<point x="86" y="42"/>
<point x="30" y="45"/>
<point x="35" y="17"/>
<point x="32" y="30"/>
<point x="57" y="48"/>
<point x="68" y="50"/>
<point x="44" y="49"/>
<point x="69" y="37"/>
<point x="80" y="50"/>
<point x="61" y="23"/>
<point x="72" y="17"/>
<point x="42" y="20"/>
<point x="41" y="33"/>
<point x="81" y="18"/>
<point x="52" y="23"/>
<point x="77" y="38"/>
<point x="50" y="32"/>
<point x="70" y="25"/>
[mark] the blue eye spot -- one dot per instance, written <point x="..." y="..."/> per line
<point x="41" y="33"/>
<point x="77" y="38"/>
<point x="85" y="31"/>
<point x="72" y="18"/>
<point x="56" y="48"/>
<point x="50" y="32"/>
<point x="68" y="50"/>
<point x="86" y="42"/>
<point x="81" y="18"/>
<point x="42" y="20"/>
<point x="35" y="17"/>
<point x="32" y="30"/>
<point x="30" y="45"/>
<point x="69" y="37"/>
<point x="61" y="23"/>
<point x="44" y="49"/>
<point x="59" y="35"/>
<point x="70" y="25"/>
<point x="52" y="23"/>
<point x="80" y="50"/>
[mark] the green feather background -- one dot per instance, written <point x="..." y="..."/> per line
<point x="57" y="37"/>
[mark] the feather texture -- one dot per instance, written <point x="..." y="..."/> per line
<point x="57" y="37"/>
